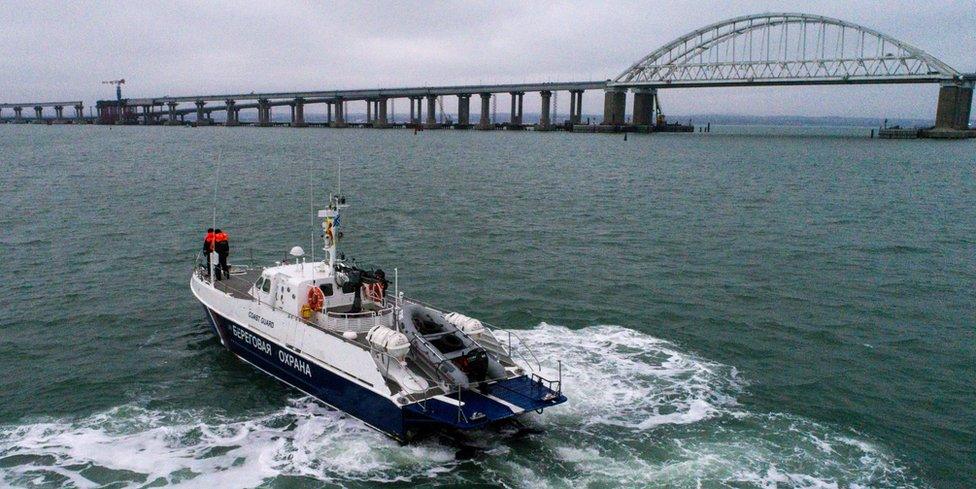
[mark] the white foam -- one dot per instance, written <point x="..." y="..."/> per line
<point x="196" y="449"/>
<point x="617" y="376"/>
<point x="642" y="412"/>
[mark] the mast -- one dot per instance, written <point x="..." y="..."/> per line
<point x="331" y="228"/>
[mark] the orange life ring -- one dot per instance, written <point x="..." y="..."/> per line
<point x="315" y="299"/>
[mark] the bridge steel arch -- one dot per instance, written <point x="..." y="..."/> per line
<point x="784" y="49"/>
<point x="788" y="49"/>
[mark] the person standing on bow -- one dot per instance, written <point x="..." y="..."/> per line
<point x="222" y="247"/>
<point x="208" y="246"/>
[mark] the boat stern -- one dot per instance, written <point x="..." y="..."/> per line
<point x="472" y="409"/>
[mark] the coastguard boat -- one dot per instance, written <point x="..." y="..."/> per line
<point x="336" y="331"/>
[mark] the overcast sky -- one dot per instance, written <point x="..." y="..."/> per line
<point x="62" y="50"/>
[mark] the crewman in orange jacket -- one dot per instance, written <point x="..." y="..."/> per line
<point x="222" y="247"/>
<point x="208" y="245"/>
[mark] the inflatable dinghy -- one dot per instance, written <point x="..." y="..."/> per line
<point x="446" y="349"/>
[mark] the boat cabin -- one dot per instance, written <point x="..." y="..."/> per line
<point x="350" y="298"/>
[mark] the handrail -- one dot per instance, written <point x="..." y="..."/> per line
<point x="382" y="312"/>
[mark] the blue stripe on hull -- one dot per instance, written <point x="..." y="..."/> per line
<point x="333" y="389"/>
<point x="370" y="407"/>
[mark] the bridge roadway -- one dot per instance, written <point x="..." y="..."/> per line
<point x="376" y="104"/>
<point x="38" y="107"/>
<point x="375" y="93"/>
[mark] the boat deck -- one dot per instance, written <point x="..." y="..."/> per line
<point x="239" y="283"/>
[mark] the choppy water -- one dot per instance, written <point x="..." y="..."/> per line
<point x="732" y="311"/>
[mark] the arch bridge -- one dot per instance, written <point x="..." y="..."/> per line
<point x="789" y="49"/>
<point x="772" y="49"/>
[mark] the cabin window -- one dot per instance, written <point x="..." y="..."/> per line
<point x="267" y="286"/>
<point x="326" y="289"/>
<point x="259" y="283"/>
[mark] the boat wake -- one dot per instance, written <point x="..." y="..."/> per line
<point x="642" y="412"/>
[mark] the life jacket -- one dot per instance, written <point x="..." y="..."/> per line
<point x="208" y="241"/>
<point x="221" y="245"/>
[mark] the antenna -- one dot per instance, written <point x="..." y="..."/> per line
<point x="216" y="182"/>
<point x="311" y="209"/>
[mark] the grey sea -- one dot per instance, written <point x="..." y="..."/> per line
<point x="747" y="308"/>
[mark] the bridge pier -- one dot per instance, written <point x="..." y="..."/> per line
<point x="545" y="122"/>
<point x="381" y="117"/>
<point x="954" y="107"/>
<point x="340" y="113"/>
<point x="464" y="111"/>
<point x="614" y="106"/>
<point x="953" y="112"/>
<point x="202" y="119"/>
<point x="79" y="113"/>
<point x="515" y="115"/>
<point x="431" y="113"/>
<point x="39" y="114"/>
<point x="171" y="118"/>
<point x="644" y="106"/>
<point x="231" y="119"/>
<point x="484" y="122"/>
<point x="298" y="113"/>
<point x="264" y="113"/>
<point x="575" y="107"/>
<point x="18" y="115"/>
<point x="59" y="113"/>
<point x="420" y="110"/>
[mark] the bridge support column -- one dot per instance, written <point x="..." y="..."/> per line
<point x="953" y="111"/>
<point x="264" y="113"/>
<point x="59" y="112"/>
<point x="80" y="113"/>
<point x="202" y="119"/>
<point x="18" y="114"/>
<point x="328" y="113"/>
<point x="464" y="111"/>
<point x="484" y="122"/>
<point x="381" y="118"/>
<point x="614" y="107"/>
<point x="340" y="113"/>
<point x="955" y="105"/>
<point x="231" y="119"/>
<point x="298" y="113"/>
<point x="369" y="112"/>
<point x="39" y="114"/>
<point x="172" y="114"/>
<point x="644" y="106"/>
<point x="515" y="114"/>
<point x="431" y="112"/>
<point x="575" y="106"/>
<point x="545" y="122"/>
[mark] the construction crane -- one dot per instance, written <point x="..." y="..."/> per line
<point x="118" y="88"/>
